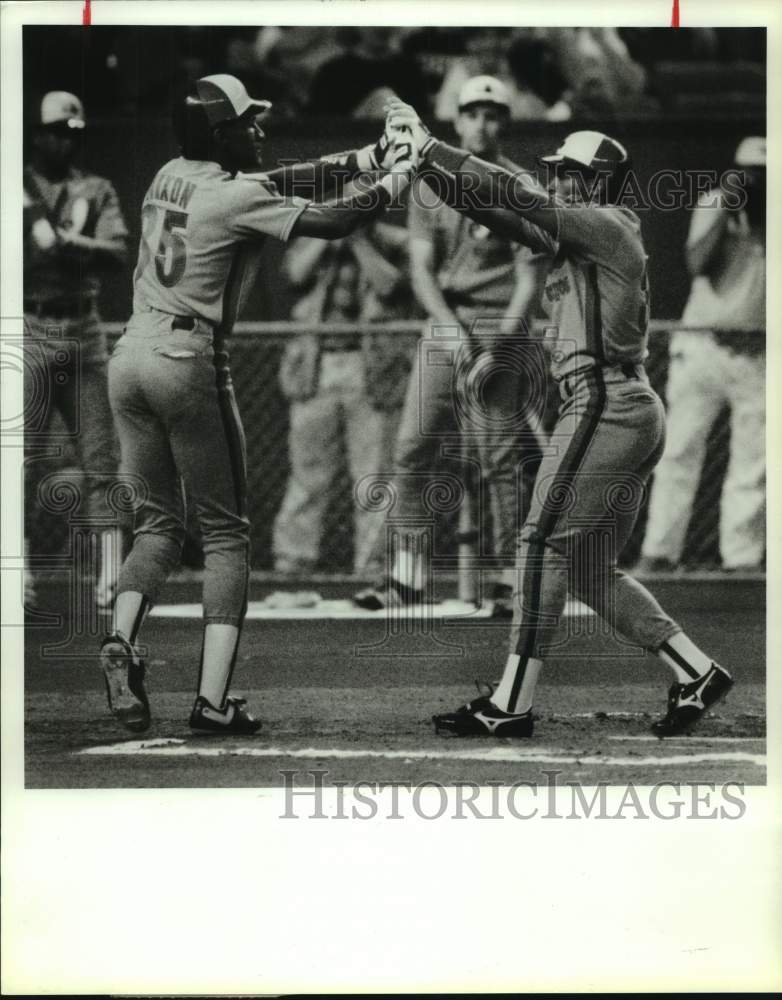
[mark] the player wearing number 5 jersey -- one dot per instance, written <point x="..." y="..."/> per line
<point x="204" y="220"/>
<point x="610" y="430"/>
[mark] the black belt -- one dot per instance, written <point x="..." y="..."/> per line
<point x="183" y="323"/>
<point x="59" y="308"/>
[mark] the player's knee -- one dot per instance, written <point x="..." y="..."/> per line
<point x="229" y="531"/>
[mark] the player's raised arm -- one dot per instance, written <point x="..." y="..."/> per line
<point x="514" y="204"/>
<point x="335" y="219"/>
<point x="316" y="178"/>
<point x="486" y="192"/>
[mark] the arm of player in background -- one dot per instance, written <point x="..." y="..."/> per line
<point x="531" y="272"/>
<point x="426" y="288"/>
<point x="109" y="245"/>
<point x="302" y="260"/>
<point x="382" y="275"/>
<point x="422" y="243"/>
<point x="707" y="228"/>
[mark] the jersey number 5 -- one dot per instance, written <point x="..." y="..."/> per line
<point x="171" y="254"/>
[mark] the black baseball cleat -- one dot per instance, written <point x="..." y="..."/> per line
<point x="123" y="671"/>
<point x="502" y="602"/>
<point x="688" y="702"/>
<point x="481" y="717"/>
<point x="234" y="719"/>
<point x="389" y="594"/>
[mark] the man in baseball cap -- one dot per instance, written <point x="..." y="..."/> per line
<point x="221" y="123"/>
<point x="484" y="90"/>
<point x="592" y="157"/>
<point x="61" y="109"/>
<point x="225" y="98"/>
<point x="482" y="116"/>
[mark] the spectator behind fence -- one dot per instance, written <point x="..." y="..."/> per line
<point x="73" y="232"/>
<point x="726" y="256"/>
<point x="345" y="391"/>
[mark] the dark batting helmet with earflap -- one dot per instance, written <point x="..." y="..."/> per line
<point x="595" y="153"/>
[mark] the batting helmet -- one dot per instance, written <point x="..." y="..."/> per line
<point x="220" y="98"/>
<point x="596" y="153"/>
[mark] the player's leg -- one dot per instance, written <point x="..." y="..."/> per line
<point x="158" y="533"/>
<point x="695" y="395"/>
<point x="633" y="613"/>
<point x="366" y="429"/>
<point x="743" y="502"/>
<point x="541" y="578"/>
<point x="510" y="451"/>
<point x="88" y="414"/>
<point x="314" y="454"/>
<point x="585" y="503"/>
<point x="208" y="444"/>
<point x="40" y="395"/>
<point x="428" y="428"/>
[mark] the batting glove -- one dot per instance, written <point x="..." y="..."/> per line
<point x="404" y="116"/>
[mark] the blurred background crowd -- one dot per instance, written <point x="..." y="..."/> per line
<point x="553" y="73"/>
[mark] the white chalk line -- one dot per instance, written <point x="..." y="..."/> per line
<point x="502" y="754"/>
<point x="345" y="610"/>
<point x="689" y="739"/>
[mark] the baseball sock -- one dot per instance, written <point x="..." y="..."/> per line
<point x="110" y="561"/>
<point x="684" y="658"/>
<point x="529" y="669"/>
<point x="130" y="611"/>
<point x="408" y="566"/>
<point x="218" y="656"/>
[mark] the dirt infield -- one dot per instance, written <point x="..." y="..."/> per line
<point x="355" y="699"/>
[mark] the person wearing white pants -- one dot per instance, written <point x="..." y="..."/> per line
<point x="726" y="254"/>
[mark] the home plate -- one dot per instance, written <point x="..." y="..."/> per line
<point x="346" y="610"/>
<point x="501" y="754"/>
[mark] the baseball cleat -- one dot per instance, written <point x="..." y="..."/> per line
<point x="688" y="702"/>
<point x="502" y="602"/>
<point x="390" y="594"/>
<point x="481" y="717"/>
<point x="234" y="719"/>
<point x="123" y="671"/>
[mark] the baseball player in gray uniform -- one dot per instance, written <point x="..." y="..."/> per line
<point x="610" y="428"/>
<point x="73" y="232"/>
<point x="204" y="219"/>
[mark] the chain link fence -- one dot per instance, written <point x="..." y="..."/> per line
<point x="256" y="351"/>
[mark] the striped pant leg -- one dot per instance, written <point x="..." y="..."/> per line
<point x="585" y="503"/>
<point x="208" y="444"/>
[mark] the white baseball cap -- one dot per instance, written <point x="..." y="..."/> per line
<point x="751" y="152"/>
<point x="60" y="107"/>
<point x="484" y="90"/>
<point x="589" y="149"/>
<point x="225" y="98"/>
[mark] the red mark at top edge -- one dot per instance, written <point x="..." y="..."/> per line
<point x="86" y="14"/>
<point x="674" y="15"/>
